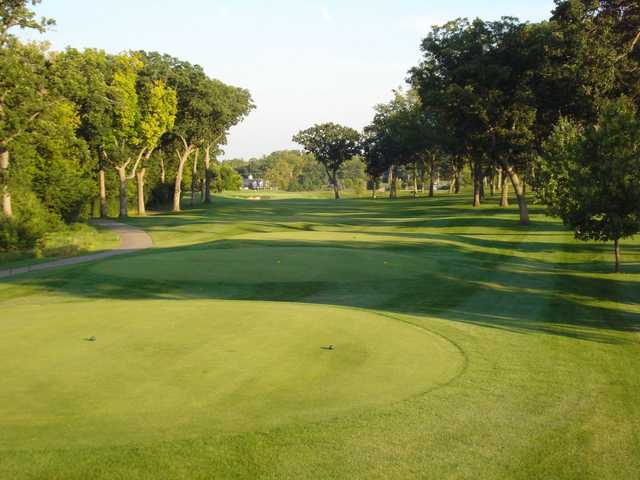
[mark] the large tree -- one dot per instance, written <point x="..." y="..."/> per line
<point x="81" y="77"/>
<point x="23" y="98"/>
<point x="332" y="145"/>
<point x="230" y="106"/>
<point x="476" y="77"/>
<point x="206" y="110"/>
<point x="157" y="116"/>
<point x="22" y="83"/>
<point x="591" y="176"/>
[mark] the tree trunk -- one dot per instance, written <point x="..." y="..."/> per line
<point x="476" y="194"/>
<point x="336" y="186"/>
<point x="492" y="183"/>
<point x="477" y="184"/>
<point x="504" y="190"/>
<point x="162" y="171"/>
<point x="616" y="252"/>
<point x="415" y="179"/>
<point x="393" y="182"/>
<point x="522" y="200"/>
<point x="104" y="209"/>
<point x="4" y="181"/>
<point x="457" y="182"/>
<point x="122" y="176"/>
<point x="432" y="175"/>
<point x="177" y="191"/>
<point x="141" y="203"/>
<point x="207" y="175"/>
<point x="194" y="178"/>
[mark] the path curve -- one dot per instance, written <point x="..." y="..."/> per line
<point x="131" y="240"/>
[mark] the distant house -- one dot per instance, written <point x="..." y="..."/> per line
<point x="250" y="183"/>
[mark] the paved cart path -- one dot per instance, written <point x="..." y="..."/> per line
<point x="131" y="239"/>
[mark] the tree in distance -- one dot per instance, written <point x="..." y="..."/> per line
<point x="332" y="145"/>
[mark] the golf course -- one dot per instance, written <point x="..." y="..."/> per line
<point x="288" y="335"/>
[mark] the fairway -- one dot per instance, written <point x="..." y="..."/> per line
<point x="467" y="346"/>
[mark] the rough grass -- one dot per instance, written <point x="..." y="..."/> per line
<point x="71" y="241"/>
<point x="545" y="377"/>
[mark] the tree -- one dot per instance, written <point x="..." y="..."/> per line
<point x="123" y="137"/>
<point x="17" y="13"/>
<point x="157" y="116"/>
<point x="81" y="77"/>
<point x="332" y="145"/>
<point x="23" y="98"/>
<point x="22" y="89"/>
<point x="353" y="174"/>
<point x="232" y="106"/>
<point x="476" y="77"/>
<point x="591" y="175"/>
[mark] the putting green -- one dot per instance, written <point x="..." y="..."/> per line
<point x="165" y="369"/>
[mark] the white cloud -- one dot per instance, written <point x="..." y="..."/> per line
<point x="326" y="14"/>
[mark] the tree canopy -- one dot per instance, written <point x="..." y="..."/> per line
<point x="331" y="145"/>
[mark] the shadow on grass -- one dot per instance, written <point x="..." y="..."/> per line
<point x="454" y="282"/>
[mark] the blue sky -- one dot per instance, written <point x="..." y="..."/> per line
<point x="304" y="62"/>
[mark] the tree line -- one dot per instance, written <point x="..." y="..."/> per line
<point x="550" y="107"/>
<point x="297" y="171"/>
<point x="81" y="131"/>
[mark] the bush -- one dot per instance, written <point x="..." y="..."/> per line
<point x="28" y="226"/>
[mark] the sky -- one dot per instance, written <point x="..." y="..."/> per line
<point x="304" y="62"/>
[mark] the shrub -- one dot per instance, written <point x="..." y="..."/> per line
<point x="29" y="224"/>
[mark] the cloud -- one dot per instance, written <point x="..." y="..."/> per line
<point x="325" y="14"/>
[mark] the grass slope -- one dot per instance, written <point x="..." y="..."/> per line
<point x="537" y="377"/>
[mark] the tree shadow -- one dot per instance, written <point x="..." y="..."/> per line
<point x="450" y="281"/>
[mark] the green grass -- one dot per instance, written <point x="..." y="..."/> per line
<point x="468" y="346"/>
<point x="74" y="240"/>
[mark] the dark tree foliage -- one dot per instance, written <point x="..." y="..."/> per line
<point x="591" y="175"/>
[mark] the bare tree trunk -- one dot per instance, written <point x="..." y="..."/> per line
<point x="504" y="190"/>
<point x="4" y="180"/>
<point x="141" y="203"/>
<point x="415" y="179"/>
<point x="432" y="175"/>
<point x="457" y="182"/>
<point x="104" y="209"/>
<point x="616" y="252"/>
<point x="522" y="200"/>
<point x="374" y="187"/>
<point x="207" y="175"/>
<point x="393" y="182"/>
<point x="177" y="191"/>
<point x="162" y="170"/>
<point x="336" y="186"/>
<point x="477" y="184"/>
<point x="194" y="178"/>
<point x="492" y="184"/>
<point x="122" y="176"/>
